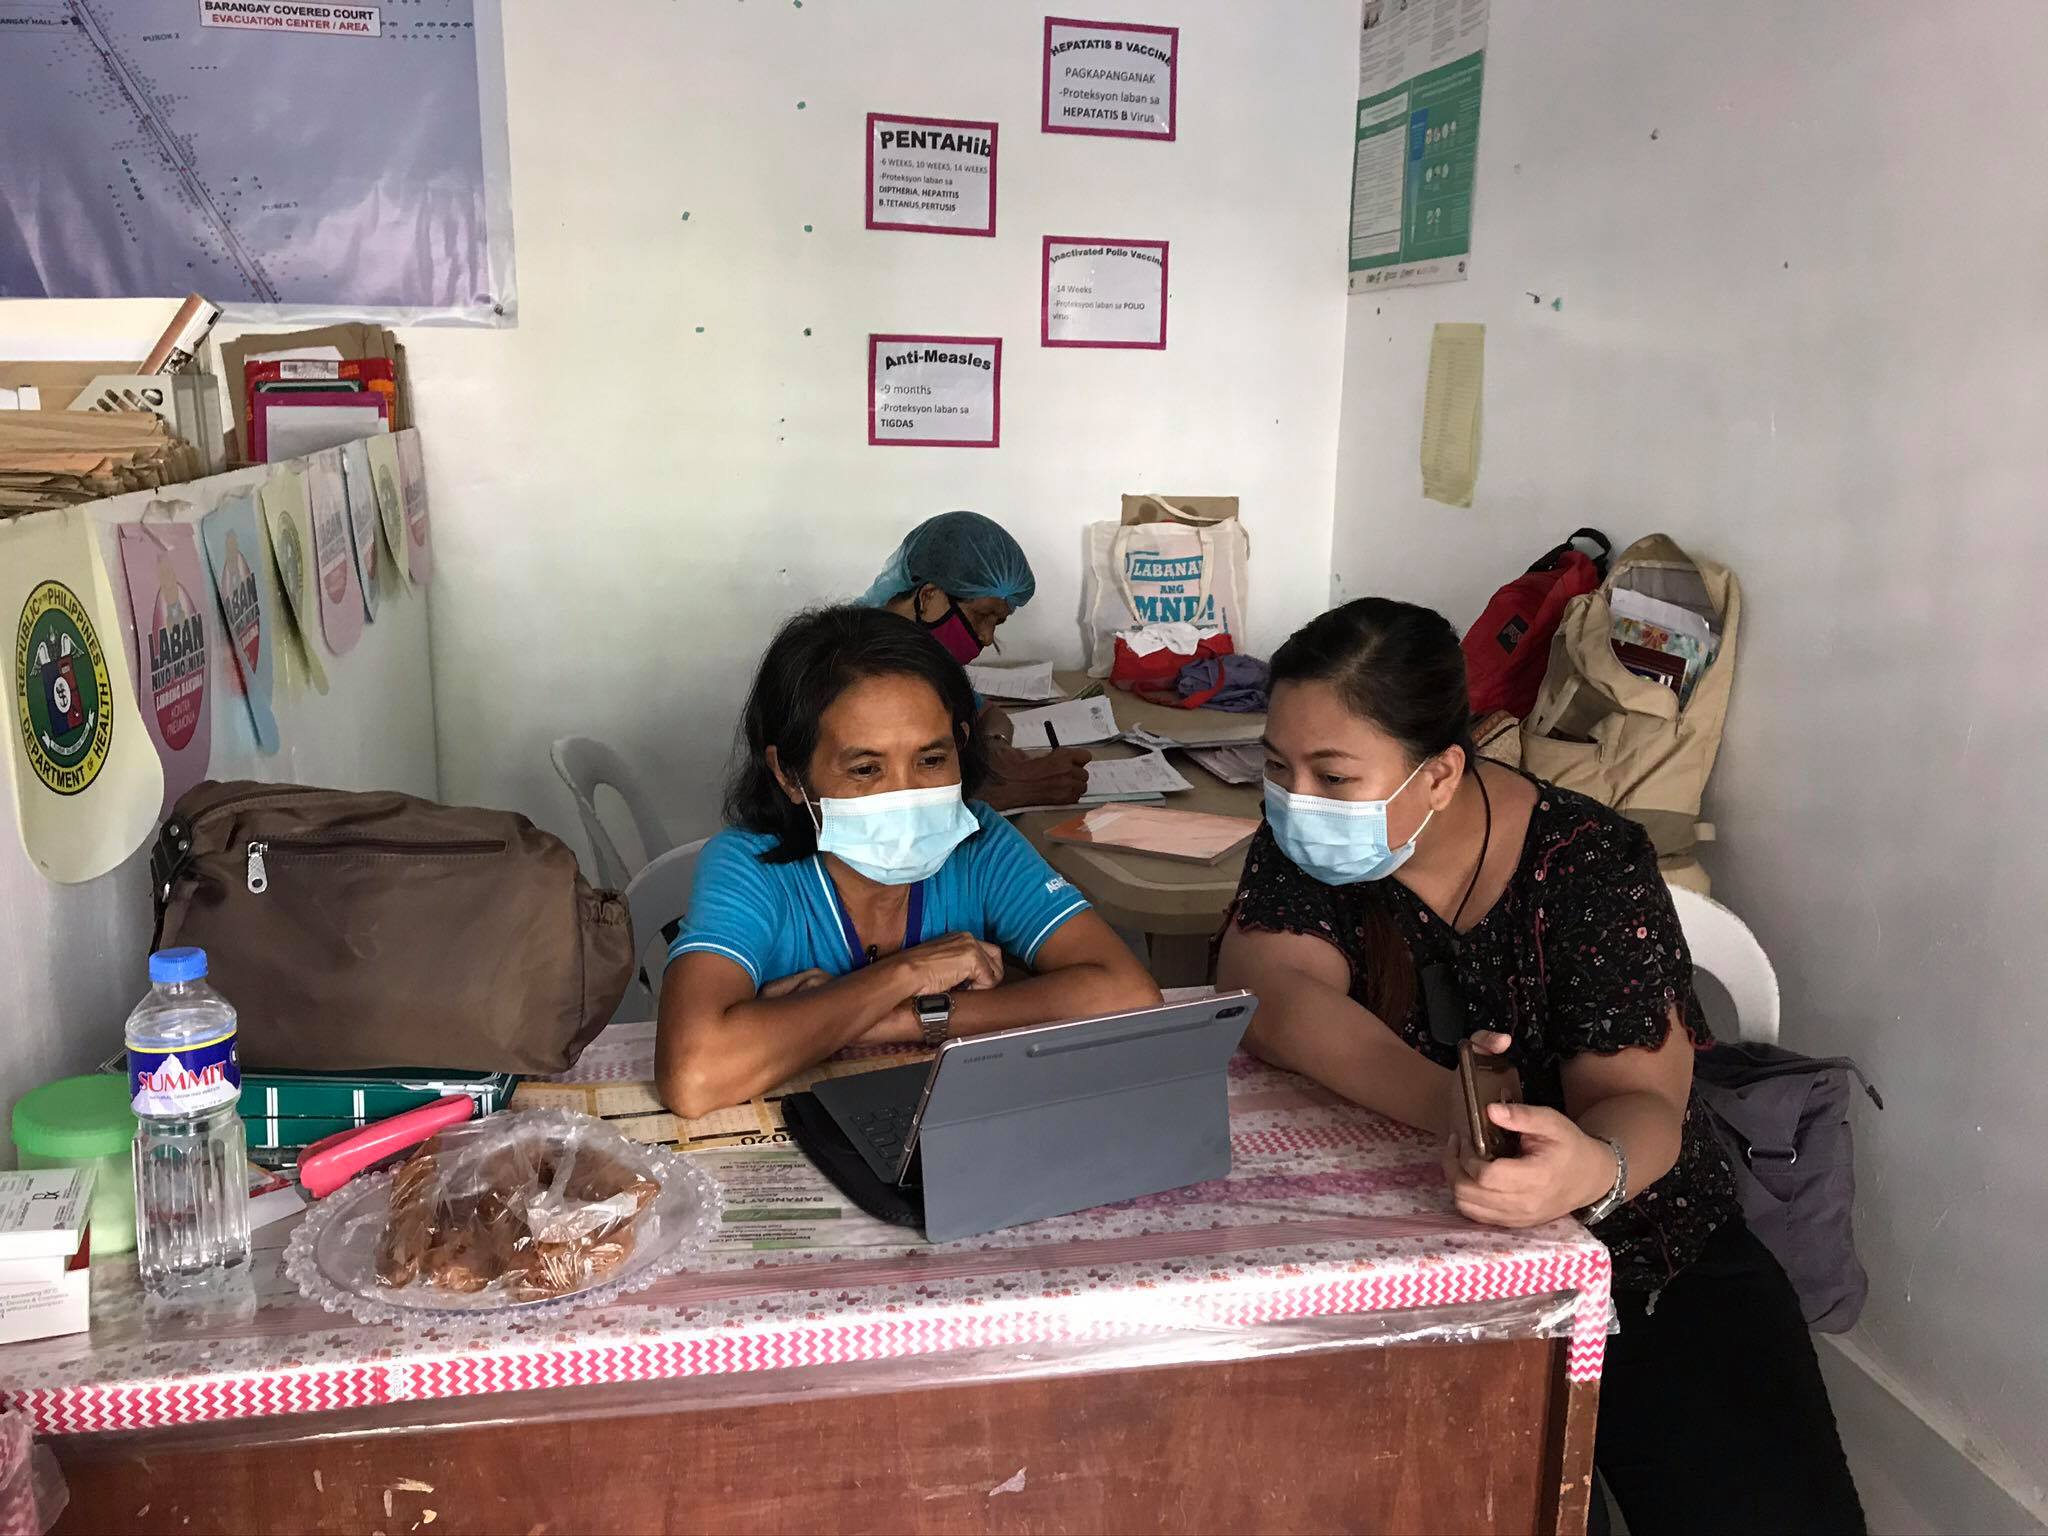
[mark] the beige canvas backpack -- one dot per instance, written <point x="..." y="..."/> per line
<point x="1625" y="739"/>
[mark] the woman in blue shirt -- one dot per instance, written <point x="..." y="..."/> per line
<point x="856" y="896"/>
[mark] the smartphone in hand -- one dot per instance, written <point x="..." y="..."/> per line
<point x="1485" y="1079"/>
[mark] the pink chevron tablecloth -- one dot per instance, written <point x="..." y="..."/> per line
<point x="1330" y="1213"/>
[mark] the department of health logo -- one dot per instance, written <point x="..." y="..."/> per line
<point x="63" y="696"/>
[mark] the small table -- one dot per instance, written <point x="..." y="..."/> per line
<point x="1317" y="1342"/>
<point x="1177" y="906"/>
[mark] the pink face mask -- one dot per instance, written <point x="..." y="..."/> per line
<point x="954" y="632"/>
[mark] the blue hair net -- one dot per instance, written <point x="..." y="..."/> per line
<point x="962" y="553"/>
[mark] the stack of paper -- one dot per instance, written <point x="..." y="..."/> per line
<point x="1076" y="723"/>
<point x="1030" y="681"/>
<point x="60" y="458"/>
<point x="1148" y="778"/>
<point x="1217" y="731"/>
<point x="1242" y="763"/>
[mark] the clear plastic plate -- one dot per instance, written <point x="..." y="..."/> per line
<point x="332" y="1257"/>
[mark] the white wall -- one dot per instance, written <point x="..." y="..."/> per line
<point x="73" y="957"/>
<point x="634" y="486"/>
<point x="626" y="507"/>
<point x="1800" y="254"/>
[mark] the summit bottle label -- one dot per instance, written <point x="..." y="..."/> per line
<point x="185" y="1080"/>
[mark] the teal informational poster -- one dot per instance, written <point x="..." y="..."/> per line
<point x="1420" y="63"/>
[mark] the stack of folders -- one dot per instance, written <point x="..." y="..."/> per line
<point x="304" y="391"/>
<point x="60" y="458"/>
<point x="1133" y="780"/>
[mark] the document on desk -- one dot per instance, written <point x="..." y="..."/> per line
<point x="1077" y="723"/>
<point x="1030" y="681"/>
<point x="614" y="1080"/>
<point x="1450" y="414"/>
<point x="1126" y="778"/>
<point x="1243" y="763"/>
<point x="775" y="1199"/>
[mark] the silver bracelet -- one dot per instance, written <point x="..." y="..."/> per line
<point x="1617" y="1194"/>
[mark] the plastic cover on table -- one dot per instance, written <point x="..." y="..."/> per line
<point x="1333" y="1233"/>
<point x="1126" y="1344"/>
<point x="1398" y="1274"/>
<point x="32" y="1488"/>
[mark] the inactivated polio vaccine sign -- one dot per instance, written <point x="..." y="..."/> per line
<point x="1118" y="79"/>
<point x="935" y="391"/>
<point x="931" y="175"/>
<point x="1103" y="293"/>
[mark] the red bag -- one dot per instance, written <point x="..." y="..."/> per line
<point x="1508" y="650"/>
<point x="1160" y="671"/>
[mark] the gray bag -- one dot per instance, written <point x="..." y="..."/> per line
<point x="1783" y="1119"/>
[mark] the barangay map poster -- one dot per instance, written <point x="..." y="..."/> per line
<point x="282" y="157"/>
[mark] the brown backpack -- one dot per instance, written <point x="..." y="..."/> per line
<point x="358" y="931"/>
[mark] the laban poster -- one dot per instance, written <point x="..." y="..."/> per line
<point x="412" y="484"/>
<point x="334" y="558"/>
<point x="362" y="522"/>
<point x="168" y="598"/>
<point x="87" y="787"/>
<point x="383" y="455"/>
<point x="238" y="551"/>
<point x="283" y="499"/>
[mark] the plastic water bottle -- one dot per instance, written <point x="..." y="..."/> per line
<point x="191" y="1162"/>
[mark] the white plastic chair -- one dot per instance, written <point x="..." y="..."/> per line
<point x="1726" y="950"/>
<point x="658" y="895"/>
<point x="584" y="765"/>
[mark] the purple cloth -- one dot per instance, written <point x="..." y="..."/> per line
<point x="1240" y="683"/>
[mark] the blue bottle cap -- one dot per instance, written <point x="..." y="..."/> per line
<point x="173" y="965"/>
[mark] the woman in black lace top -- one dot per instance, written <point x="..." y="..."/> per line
<point x="1403" y="896"/>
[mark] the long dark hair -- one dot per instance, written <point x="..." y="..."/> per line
<point x="1400" y="669"/>
<point x="813" y="659"/>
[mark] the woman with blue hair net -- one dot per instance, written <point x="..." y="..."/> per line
<point x="960" y="575"/>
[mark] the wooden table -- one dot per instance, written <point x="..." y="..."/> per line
<point x="1317" y="1342"/>
<point x="1178" y="906"/>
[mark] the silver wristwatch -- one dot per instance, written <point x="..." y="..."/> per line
<point x="934" y="1016"/>
<point x="1617" y="1195"/>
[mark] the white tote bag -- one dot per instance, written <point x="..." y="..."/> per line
<point x="1184" y="560"/>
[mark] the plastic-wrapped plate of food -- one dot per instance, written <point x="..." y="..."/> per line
<point x="533" y="1209"/>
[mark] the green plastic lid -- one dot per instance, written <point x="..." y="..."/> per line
<point x="76" y="1117"/>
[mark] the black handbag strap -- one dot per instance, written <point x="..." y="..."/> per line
<point x="1549" y="562"/>
<point x="168" y="857"/>
<point x="1727" y="1064"/>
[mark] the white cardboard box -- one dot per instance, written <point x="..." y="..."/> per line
<point x="45" y="1248"/>
<point x="43" y="1297"/>
<point x="43" y="1212"/>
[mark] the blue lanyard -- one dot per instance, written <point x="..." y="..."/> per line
<point x="913" y="926"/>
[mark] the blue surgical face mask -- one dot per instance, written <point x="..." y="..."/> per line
<point x="1339" y="842"/>
<point x="898" y="838"/>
